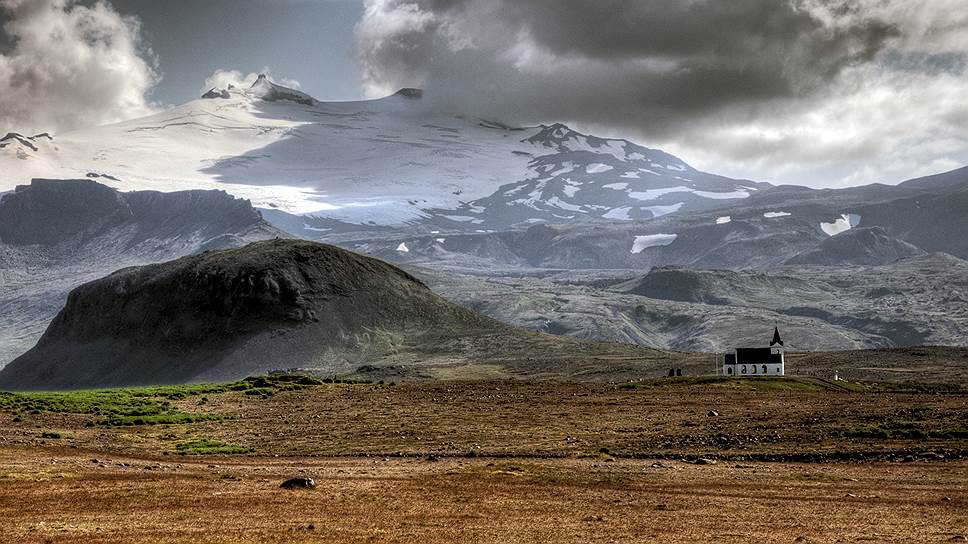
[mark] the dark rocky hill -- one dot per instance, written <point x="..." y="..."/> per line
<point x="57" y="234"/>
<point x="869" y="246"/>
<point x="271" y="305"/>
<point x="722" y="287"/>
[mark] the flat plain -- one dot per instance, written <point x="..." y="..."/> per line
<point x="675" y="460"/>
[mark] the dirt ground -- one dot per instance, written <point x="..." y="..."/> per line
<point x="503" y="461"/>
<point x="57" y="496"/>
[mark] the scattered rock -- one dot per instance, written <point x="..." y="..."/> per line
<point x="296" y="483"/>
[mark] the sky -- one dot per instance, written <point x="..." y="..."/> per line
<point x="825" y="93"/>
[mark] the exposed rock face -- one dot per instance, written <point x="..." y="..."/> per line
<point x="865" y="246"/>
<point x="65" y="216"/>
<point x="50" y="211"/>
<point x="216" y="93"/>
<point x="227" y="314"/>
<point x="270" y="92"/>
<point x="26" y="141"/>
<point x="410" y="92"/>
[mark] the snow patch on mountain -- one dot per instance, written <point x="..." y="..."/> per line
<point x="659" y="211"/>
<point x="722" y="195"/>
<point x="843" y="223"/>
<point x="618" y="213"/>
<point x="646" y="241"/>
<point x="597" y="168"/>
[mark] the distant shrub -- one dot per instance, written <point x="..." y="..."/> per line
<point x="264" y="392"/>
<point x="949" y="434"/>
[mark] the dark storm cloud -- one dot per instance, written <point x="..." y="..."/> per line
<point x="653" y="59"/>
<point x="762" y="85"/>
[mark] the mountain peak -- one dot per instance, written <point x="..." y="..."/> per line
<point x="215" y="92"/>
<point x="267" y="90"/>
<point x="409" y="92"/>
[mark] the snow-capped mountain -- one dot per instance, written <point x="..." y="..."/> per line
<point x="575" y="175"/>
<point x="390" y="161"/>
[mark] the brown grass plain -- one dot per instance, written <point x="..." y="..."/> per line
<point x="504" y="461"/>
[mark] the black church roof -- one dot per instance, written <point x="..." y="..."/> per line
<point x="757" y="356"/>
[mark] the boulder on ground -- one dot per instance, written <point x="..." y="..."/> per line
<point x="298" y="483"/>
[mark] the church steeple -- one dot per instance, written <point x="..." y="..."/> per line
<point x="776" y="337"/>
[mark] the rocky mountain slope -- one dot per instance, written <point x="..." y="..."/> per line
<point x="57" y="234"/>
<point x="875" y="224"/>
<point x="916" y="301"/>
<point x="863" y="245"/>
<point x="272" y="305"/>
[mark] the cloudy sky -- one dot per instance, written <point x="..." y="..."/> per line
<point x="815" y="92"/>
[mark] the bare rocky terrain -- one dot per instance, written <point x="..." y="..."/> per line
<point x="920" y="300"/>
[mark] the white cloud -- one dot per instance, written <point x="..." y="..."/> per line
<point x="874" y="124"/>
<point x="71" y="65"/>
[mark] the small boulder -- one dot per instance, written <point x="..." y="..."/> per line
<point x="712" y="413"/>
<point x="298" y="483"/>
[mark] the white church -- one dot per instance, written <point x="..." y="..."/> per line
<point x="756" y="361"/>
